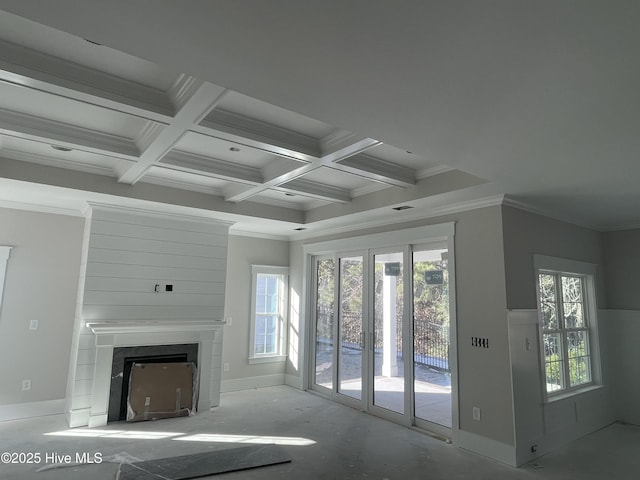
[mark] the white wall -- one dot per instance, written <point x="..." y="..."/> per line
<point x="297" y="326"/>
<point x="41" y="284"/>
<point x="244" y="252"/>
<point x="127" y="252"/>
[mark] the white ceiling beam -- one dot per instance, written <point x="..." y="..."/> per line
<point x="203" y="98"/>
<point x="189" y="162"/>
<point x="245" y="193"/>
<point x="22" y="66"/>
<point x="377" y="170"/>
<point x="257" y="134"/>
<point x="340" y="151"/>
<point x="30" y="127"/>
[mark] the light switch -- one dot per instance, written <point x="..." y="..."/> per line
<point x="33" y="324"/>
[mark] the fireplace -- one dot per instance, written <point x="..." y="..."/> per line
<point x="123" y="359"/>
<point x="199" y="340"/>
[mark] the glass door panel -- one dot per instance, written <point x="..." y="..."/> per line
<point x="388" y="366"/>
<point x="432" y="374"/>
<point x="351" y="331"/>
<point x="325" y="344"/>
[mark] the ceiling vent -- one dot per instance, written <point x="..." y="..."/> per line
<point x="402" y="207"/>
<point x="60" y="148"/>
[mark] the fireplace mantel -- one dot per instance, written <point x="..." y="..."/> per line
<point x="110" y="334"/>
<point x="111" y="327"/>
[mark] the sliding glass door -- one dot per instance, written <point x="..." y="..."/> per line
<point x="350" y="326"/>
<point x="324" y="299"/>
<point x="431" y="336"/>
<point x="388" y="367"/>
<point x="382" y="332"/>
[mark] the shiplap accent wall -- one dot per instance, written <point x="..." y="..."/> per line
<point x="127" y="252"/>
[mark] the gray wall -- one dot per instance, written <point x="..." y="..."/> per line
<point x="526" y="234"/>
<point x="549" y="425"/>
<point x="41" y="284"/>
<point x="484" y="374"/>
<point x="242" y="253"/>
<point x="622" y="254"/>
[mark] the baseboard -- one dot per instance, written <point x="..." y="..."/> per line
<point x="486" y="447"/>
<point x="78" y="418"/>
<point x="19" y="411"/>
<point x="294" y="381"/>
<point x="247" y="383"/>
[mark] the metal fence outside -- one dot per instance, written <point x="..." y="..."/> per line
<point x="430" y="344"/>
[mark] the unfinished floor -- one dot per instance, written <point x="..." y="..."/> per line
<point x="325" y="440"/>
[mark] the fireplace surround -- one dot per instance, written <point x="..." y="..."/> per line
<point x="125" y="357"/>
<point x="109" y="335"/>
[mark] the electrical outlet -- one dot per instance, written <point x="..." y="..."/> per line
<point x="26" y="385"/>
<point x="225" y="366"/>
<point x="476" y="413"/>
<point x="33" y="324"/>
<point x="229" y="320"/>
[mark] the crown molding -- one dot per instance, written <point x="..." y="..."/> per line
<point x="419" y="214"/>
<point x="378" y="170"/>
<point x="528" y="207"/>
<point x="182" y="88"/>
<point x="260" y="131"/>
<point x="147" y="135"/>
<point x="266" y="236"/>
<point x="27" y="126"/>
<point x="40" y="208"/>
<point x="432" y="171"/>
<point x="337" y="140"/>
<point x="622" y="227"/>
<point x="180" y="184"/>
<point x="211" y="167"/>
<point x="57" y="162"/>
<point x="367" y="189"/>
<point x="320" y="191"/>
<point x="157" y="213"/>
<point x="35" y="70"/>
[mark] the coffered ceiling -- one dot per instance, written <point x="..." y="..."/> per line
<point x="69" y="103"/>
<point x="280" y="116"/>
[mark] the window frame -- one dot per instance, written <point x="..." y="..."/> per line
<point x="281" y="327"/>
<point x="559" y="267"/>
<point x="5" y="251"/>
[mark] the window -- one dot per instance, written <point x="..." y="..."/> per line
<point x="268" y="313"/>
<point x="566" y="307"/>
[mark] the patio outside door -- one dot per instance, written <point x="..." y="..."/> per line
<point x="351" y="332"/>
<point x="382" y="333"/>
<point x="388" y="372"/>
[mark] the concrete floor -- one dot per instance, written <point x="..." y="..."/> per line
<point x="326" y="440"/>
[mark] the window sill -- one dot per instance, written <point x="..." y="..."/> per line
<point x="267" y="359"/>
<point x="551" y="398"/>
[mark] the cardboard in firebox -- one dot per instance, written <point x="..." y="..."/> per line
<point x="161" y="390"/>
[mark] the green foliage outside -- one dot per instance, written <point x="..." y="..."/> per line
<point x="578" y="369"/>
<point x="431" y="303"/>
